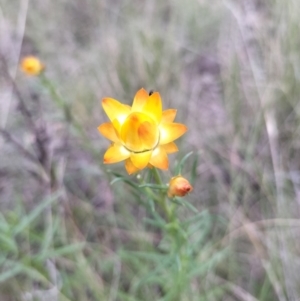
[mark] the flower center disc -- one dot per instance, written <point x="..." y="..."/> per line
<point x="139" y="133"/>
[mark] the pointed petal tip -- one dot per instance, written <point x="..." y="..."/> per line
<point x="114" y="109"/>
<point x="164" y="167"/>
<point x="108" y="131"/>
<point x="169" y="115"/>
<point x="130" y="168"/>
<point x="170" y="147"/>
<point x="141" y="160"/>
<point x="106" y="161"/>
<point x="155" y="94"/>
<point x="160" y="159"/>
<point x="108" y="101"/>
<point x="153" y="107"/>
<point x="115" y="153"/>
<point x="139" y="100"/>
<point x="142" y="90"/>
<point x="105" y="100"/>
<point x="171" y="131"/>
<point x="183" y="127"/>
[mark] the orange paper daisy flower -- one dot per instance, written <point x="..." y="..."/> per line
<point x="31" y="65"/>
<point x="142" y="134"/>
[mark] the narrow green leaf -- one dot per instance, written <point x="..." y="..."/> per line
<point x="26" y="220"/>
<point x="63" y="251"/>
<point x="194" y="170"/>
<point x="154" y="186"/>
<point x="25" y="268"/>
<point x="152" y="222"/>
<point x="126" y="180"/>
<point x="203" y="268"/>
<point x="10" y="273"/>
<point x="48" y="237"/>
<point x="184" y="203"/>
<point x="4" y="226"/>
<point x="181" y="163"/>
<point x="156" y="257"/>
<point x="7" y="242"/>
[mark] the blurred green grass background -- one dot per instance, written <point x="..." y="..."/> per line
<point x="231" y="68"/>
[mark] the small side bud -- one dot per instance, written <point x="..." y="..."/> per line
<point x="31" y="65"/>
<point x="179" y="186"/>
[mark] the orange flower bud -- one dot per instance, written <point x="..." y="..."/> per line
<point x="179" y="186"/>
<point x="31" y="65"/>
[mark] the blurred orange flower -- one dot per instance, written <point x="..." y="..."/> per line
<point x="31" y="65"/>
<point x="142" y="134"/>
<point x="179" y="186"/>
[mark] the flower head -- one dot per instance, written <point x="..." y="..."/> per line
<point x="142" y="134"/>
<point x="179" y="186"/>
<point x="31" y="65"/>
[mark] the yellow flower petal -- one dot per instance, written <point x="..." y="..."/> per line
<point x="130" y="167"/>
<point x="129" y="133"/>
<point x="115" y="109"/>
<point x="108" y="131"/>
<point x="170" y="148"/>
<point x="149" y="134"/>
<point x="159" y="158"/>
<point x="168" y="115"/>
<point x="115" y="153"/>
<point x="139" y="100"/>
<point x="117" y="126"/>
<point x="171" y="131"/>
<point x="139" y="132"/>
<point x="140" y="160"/>
<point x="153" y="107"/>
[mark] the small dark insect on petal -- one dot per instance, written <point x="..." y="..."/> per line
<point x="151" y="92"/>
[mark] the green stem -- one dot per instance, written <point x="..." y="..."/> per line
<point x="163" y="198"/>
<point x="60" y="102"/>
<point x="54" y="95"/>
<point x="175" y="232"/>
<point x="157" y="176"/>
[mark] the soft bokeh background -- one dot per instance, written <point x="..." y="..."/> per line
<point x="232" y="70"/>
